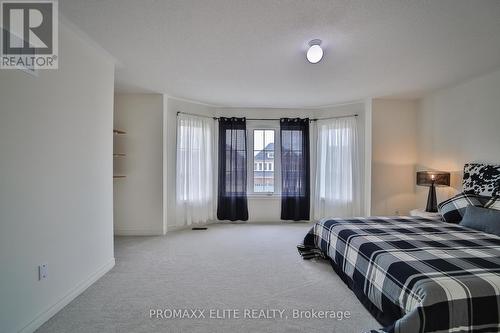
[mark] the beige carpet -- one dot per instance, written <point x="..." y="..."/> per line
<point x="242" y="268"/>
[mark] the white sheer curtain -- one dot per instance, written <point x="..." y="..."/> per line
<point x="337" y="191"/>
<point x="195" y="168"/>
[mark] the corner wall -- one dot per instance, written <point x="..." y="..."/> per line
<point x="457" y="125"/>
<point x="55" y="182"/>
<point x="138" y="198"/>
<point x="394" y="150"/>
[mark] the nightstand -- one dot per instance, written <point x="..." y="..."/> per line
<point x="422" y="213"/>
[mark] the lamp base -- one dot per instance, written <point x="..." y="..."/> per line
<point x="432" y="200"/>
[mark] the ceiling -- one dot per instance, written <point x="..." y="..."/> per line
<point x="251" y="53"/>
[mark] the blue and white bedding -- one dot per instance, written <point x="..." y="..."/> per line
<point x="415" y="274"/>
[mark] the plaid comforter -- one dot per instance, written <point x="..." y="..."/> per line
<point x="415" y="274"/>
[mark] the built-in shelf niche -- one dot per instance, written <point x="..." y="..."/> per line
<point x="117" y="131"/>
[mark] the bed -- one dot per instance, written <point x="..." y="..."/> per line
<point x="414" y="274"/>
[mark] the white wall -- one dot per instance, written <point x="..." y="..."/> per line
<point x="457" y="125"/>
<point x="170" y="109"/>
<point x="55" y="182"/>
<point x="394" y="156"/>
<point x="138" y="198"/>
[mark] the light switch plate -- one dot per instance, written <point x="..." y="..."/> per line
<point x="43" y="272"/>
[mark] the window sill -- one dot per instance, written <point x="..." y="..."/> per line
<point x="264" y="196"/>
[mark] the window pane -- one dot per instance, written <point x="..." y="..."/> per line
<point x="269" y="137"/>
<point x="258" y="139"/>
<point x="258" y="181"/>
<point x="263" y="176"/>
<point x="269" y="181"/>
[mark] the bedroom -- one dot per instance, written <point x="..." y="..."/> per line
<point x="111" y="157"/>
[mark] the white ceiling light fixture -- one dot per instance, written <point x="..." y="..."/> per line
<point x="315" y="52"/>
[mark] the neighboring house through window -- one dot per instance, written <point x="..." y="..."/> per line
<point x="263" y="154"/>
<point x="264" y="178"/>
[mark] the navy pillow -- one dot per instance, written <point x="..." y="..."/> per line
<point x="482" y="219"/>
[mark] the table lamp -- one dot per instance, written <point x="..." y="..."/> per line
<point x="432" y="179"/>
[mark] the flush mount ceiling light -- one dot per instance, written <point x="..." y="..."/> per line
<point x="315" y="52"/>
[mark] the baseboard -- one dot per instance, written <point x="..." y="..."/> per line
<point x="184" y="227"/>
<point x="137" y="232"/>
<point x="65" y="300"/>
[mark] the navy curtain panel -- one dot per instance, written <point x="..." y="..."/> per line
<point x="232" y="194"/>
<point x="295" y="170"/>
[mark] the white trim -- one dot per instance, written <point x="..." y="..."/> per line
<point x="328" y="106"/>
<point x="88" y="40"/>
<point x="45" y="315"/>
<point x="164" y="170"/>
<point x="263" y="195"/>
<point x="138" y="232"/>
<point x="368" y="157"/>
<point x="187" y="100"/>
<point x="285" y="107"/>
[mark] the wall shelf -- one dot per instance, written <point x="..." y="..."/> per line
<point x="117" y="131"/>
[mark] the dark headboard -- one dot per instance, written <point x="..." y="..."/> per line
<point x="482" y="179"/>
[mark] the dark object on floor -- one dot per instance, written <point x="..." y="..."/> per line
<point x="199" y="228"/>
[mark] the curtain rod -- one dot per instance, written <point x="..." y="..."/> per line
<point x="271" y="119"/>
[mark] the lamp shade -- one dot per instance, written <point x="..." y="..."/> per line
<point x="438" y="178"/>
